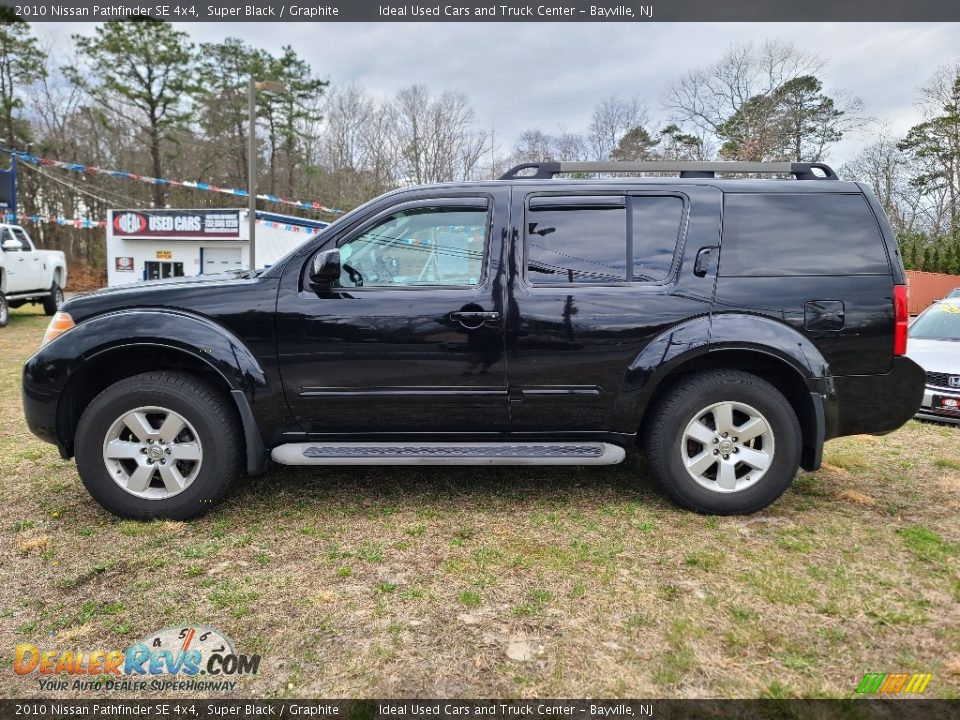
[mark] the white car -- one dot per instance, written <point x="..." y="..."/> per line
<point x="28" y="275"/>
<point x="934" y="344"/>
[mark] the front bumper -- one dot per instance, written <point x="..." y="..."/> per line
<point x="45" y="374"/>
<point x="928" y="412"/>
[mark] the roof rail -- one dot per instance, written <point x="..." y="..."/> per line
<point x="687" y="169"/>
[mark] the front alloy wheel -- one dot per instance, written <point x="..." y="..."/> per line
<point x="152" y="453"/>
<point x="161" y="444"/>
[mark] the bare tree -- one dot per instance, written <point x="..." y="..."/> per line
<point x="734" y="97"/>
<point x="571" y="146"/>
<point x="888" y="171"/>
<point x="611" y="120"/>
<point x="533" y="145"/>
<point x="434" y="138"/>
<point x="352" y="148"/>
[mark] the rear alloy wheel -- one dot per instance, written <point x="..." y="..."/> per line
<point x="723" y="442"/>
<point x="158" y="445"/>
<point x="728" y="447"/>
<point x="54" y="300"/>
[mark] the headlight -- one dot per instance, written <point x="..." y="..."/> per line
<point x="59" y="324"/>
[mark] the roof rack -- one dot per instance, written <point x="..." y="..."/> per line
<point x="687" y="169"/>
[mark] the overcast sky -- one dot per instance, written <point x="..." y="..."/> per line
<point x="523" y="75"/>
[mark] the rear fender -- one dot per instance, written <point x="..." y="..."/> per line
<point x="695" y="344"/>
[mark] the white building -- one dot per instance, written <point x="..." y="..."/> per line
<point x="152" y="244"/>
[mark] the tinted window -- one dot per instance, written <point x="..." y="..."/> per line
<point x="784" y="234"/>
<point x="656" y="227"/>
<point x="584" y="239"/>
<point x="419" y="246"/>
<point x="577" y="242"/>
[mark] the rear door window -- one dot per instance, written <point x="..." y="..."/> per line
<point x="577" y="239"/>
<point x="607" y="239"/>
<point x="784" y="234"/>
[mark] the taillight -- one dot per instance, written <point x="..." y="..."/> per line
<point x="901" y="320"/>
<point x="59" y="324"/>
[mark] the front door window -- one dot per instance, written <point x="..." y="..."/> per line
<point x="423" y="246"/>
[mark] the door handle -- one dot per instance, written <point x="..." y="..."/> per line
<point x="701" y="266"/>
<point x="461" y="315"/>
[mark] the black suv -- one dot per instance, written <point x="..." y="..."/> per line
<point x="726" y="326"/>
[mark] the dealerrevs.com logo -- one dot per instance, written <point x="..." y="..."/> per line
<point x="191" y="658"/>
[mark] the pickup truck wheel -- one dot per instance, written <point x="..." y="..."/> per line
<point x="723" y="442"/>
<point x="158" y="445"/>
<point x="4" y="311"/>
<point x="54" y="300"/>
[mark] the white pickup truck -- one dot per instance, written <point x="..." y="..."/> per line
<point x="28" y="275"/>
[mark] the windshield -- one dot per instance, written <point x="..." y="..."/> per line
<point x="940" y="322"/>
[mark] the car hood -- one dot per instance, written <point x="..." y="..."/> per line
<point x="186" y="293"/>
<point x="935" y="355"/>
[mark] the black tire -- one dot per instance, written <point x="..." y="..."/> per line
<point x="54" y="300"/>
<point x="663" y="441"/>
<point x="201" y="405"/>
<point x="4" y="311"/>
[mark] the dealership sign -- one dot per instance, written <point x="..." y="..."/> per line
<point x="173" y="224"/>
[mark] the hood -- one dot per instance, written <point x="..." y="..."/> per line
<point x="935" y="355"/>
<point x="188" y="293"/>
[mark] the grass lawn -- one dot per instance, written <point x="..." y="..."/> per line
<point x="501" y="581"/>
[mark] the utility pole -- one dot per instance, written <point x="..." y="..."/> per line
<point x="252" y="171"/>
<point x="271" y="88"/>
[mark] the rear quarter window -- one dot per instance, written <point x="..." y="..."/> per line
<point x="783" y="234"/>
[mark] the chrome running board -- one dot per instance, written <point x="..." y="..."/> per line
<point x="467" y="453"/>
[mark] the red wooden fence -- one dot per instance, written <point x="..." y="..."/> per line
<point x="925" y="287"/>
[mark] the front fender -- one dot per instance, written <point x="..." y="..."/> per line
<point x="48" y="376"/>
<point x="195" y="335"/>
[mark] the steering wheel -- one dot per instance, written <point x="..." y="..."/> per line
<point x="355" y="277"/>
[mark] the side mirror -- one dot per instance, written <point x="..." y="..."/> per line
<point x="12" y="245"/>
<point x="326" y="267"/>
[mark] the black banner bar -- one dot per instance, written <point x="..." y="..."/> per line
<point x="486" y="709"/>
<point x="493" y="11"/>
